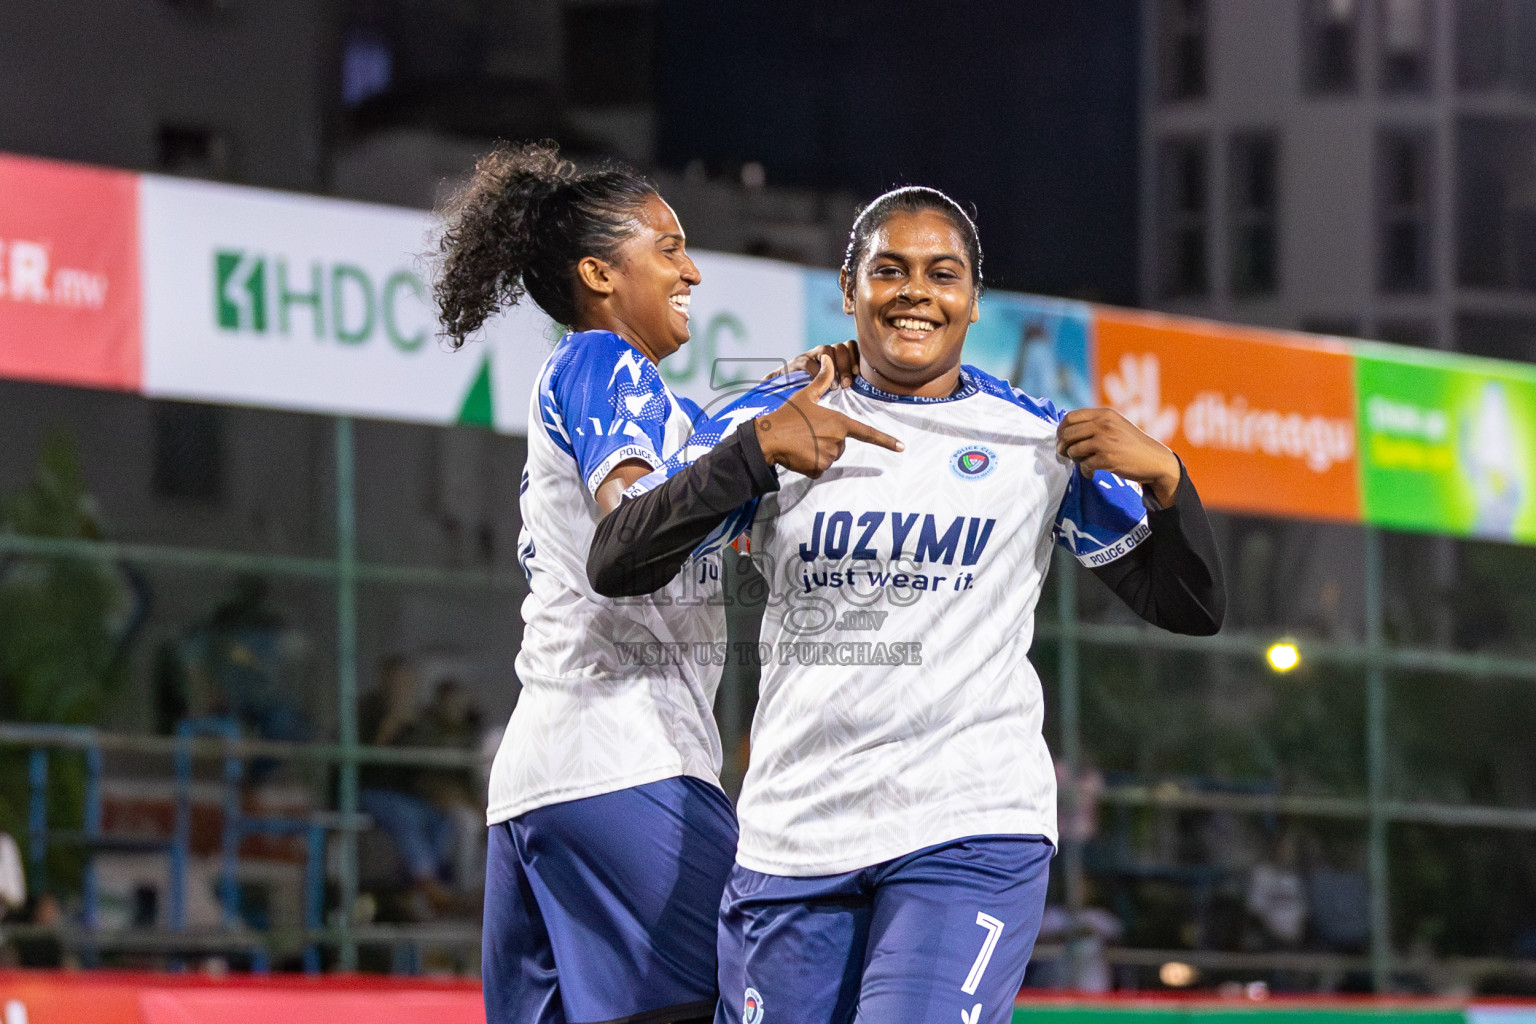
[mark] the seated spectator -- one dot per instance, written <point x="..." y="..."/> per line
<point x="1084" y="966"/>
<point x="240" y="664"/>
<point x="452" y="721"/>
<point x="13" y="879"/>
<point x="13" y="893"/>
<point x="46" y="950"/>
<point x="1277" y="896"/>
<point x="420" y="808"/>
<point x="1338" y="900"/>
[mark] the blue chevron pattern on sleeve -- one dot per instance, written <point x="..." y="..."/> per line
<point x="709" y="431"/>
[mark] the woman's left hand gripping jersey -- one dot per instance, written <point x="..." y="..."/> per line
<point x="1101" y="519"/>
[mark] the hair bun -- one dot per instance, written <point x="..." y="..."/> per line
<point x="520" y="225"/>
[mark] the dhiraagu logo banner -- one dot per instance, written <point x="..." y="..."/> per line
<point x="1448" y="444"/>
<point x="296" y="302"/>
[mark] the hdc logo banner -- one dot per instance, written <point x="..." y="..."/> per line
<point x="358" y="306"/>
<point x="296" y="302"/>
<point x="69" y="274"/>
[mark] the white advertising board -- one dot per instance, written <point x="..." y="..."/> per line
<point x="292" y="302"/>
<point x="321" y="305"/>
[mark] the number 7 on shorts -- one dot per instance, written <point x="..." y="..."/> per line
<point x="994" y="929"/>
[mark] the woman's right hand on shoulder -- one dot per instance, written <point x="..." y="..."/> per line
<point x="806" y="438"/>
<point x="845" y="362"/>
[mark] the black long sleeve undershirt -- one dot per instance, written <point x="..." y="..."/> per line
<point x="641" y="545"/>
<point x="1172" y="579"/>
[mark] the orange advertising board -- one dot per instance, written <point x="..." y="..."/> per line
<point x="69" y="274"/>
<point x="1264" y="421"/>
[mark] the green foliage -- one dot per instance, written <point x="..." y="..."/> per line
<point x="1231" y="719"/>
<point x="1494" y="601"/>
<point x="60" y="657"/>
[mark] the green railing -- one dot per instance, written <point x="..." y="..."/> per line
<point x="1070" y="635"/>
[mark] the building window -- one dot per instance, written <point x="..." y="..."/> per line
<point x="1403" y="210"/>
<point x="1497" y="336"/>
<point x="1404" y="45"/>
<point x="1335" y="326"/>
<point x="1329" y="45"/>
<point x="1496" y="203"/>
<point x="1479" y="44"/>
<point x="1419" y="333"/>
<point x="1253" y="182"/>
<point x="1181" y="47"/>
<point x="367" y="65"/>
<point x="201" y="6"/>
<point x="1496" y="44"/>
<point x="1184" y="202"/>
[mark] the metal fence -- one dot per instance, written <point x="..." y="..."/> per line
<point x="1067" y="631"/>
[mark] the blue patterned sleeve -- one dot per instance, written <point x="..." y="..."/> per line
<point x="709" y="431"/>
<point x="1099" y="519"/>
<point x="1102" y="519"/>
<point x="604" y="403"/>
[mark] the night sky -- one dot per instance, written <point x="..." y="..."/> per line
<point x="1026" y="109"/>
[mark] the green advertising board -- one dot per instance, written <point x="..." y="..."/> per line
<point x="1447" y="443"/>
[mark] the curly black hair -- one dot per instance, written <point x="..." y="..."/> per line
<point x="521" y="225"/>
<point x="909" y="199"/>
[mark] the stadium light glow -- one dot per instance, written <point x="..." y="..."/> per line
<point x="1177" y="975"/>
<point x="1283" y="656"/>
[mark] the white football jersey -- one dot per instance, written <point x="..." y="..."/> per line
<point x="607" y="703"/>
<point x="898" y="709"/>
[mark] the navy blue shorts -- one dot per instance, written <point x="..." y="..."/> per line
<point x="941" y="935"/>
<point x="604" y="909"/>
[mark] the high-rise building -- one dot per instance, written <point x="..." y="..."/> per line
<point x="203" y="88"/>
<point x="1360" y="167"/>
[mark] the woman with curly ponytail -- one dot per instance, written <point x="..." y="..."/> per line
<point x="610" y="838"/>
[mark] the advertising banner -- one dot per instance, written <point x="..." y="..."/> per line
<point x="206" y="292"/>
<point x="1448" y="443"/>
<point x="1041" y="346"/>
<point x="119" y="997"/>
<point x="318" y="305"/>
<point x="69" y="274"/>
<point x="296" y="302"/>
<point x="825" y="321"/>
<point x="1265" y="423"/>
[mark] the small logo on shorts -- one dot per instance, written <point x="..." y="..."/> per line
<point x="973" y="462"/>
<point x="752" y="1010"/>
